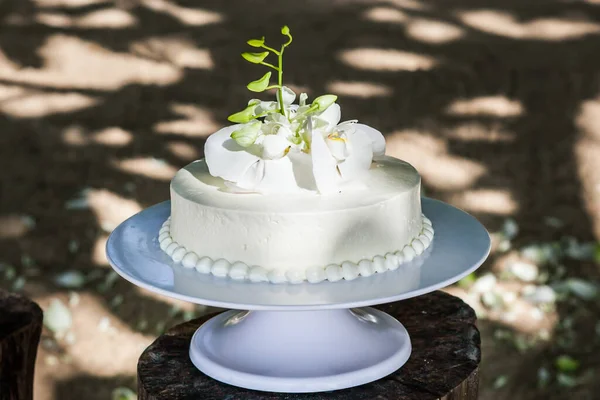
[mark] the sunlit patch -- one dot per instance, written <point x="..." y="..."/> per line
<point x="488" y="106"/>
<point x="110" y="208"/>
<point x="197" y="122"/>
<point x="478" y="132"/>
<point x="183" y="150"/>
<point x="489" y="201"/>
<point x="588" y="119"/>
<point x="14" y="226"/>
<point x="114" y="137"/>
<point x="112" y="18"/>
<point x="67" y="3"/>
<point x="387" y="60"/>
<point x="386" y="14"/>
<point x="175" y="50"/>
<point x="8" y="92"/>
<point x="359" y="89"/>
<point x="149" y="167"/>
<point x="74" y="135"/>
<point x="551" y="29"/>
<point x="34" y="103"/>
<point x="429" y="155"/>
<point x="410" y="4"/>
<point x="95" y="327"/>
<point x="70" y="62"/>
<point x="515" y="312"/>
<point x="432" y="31"/>
<point x="587" y="151"/>
<point x="98" y="254"/>
<point x="187" y="16"/>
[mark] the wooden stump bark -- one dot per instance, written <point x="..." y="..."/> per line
<point x="443" y="364"/>
<point x="20" y="329"/>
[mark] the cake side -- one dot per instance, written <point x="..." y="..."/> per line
<point x="291" y="235"/>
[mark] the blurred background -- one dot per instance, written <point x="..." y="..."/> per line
<point x="496" y="102"/>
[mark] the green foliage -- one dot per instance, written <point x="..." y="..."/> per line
<point x="261" y="84"/>
<point x="566" y="363"/>
<point x="467" y="281"/>
<point x="247" y="135"/>
<point x="123" y="393"/>
<point x="255" y="58"/>
<point x="324" y="101"/>
<point x="256" y="42"/>
<point x="246" y="115"/>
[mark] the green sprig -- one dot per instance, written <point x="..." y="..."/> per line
<point x="262" y="84"/>
<point x="249" y="133"/>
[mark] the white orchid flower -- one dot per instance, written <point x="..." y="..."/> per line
<point x="288" y="96"/>
<point x="302" y="149"/>
<point x="341" y="153"/>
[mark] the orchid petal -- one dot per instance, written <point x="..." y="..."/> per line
<point x="252" y="176"/>
<point x="284" y="132"/>
<point x="227" y="159"/>
<point x="278" y="177"/>
<point x="303" y="169"/>
<point x="265" y="106"/>
<point x="376" y="138"/>
<point x="288" y="95"/>
<point x="338" y="148"/>
<point x="325" y="172"/>
<point x="331" y="115"/>
<point x="361" y="156"/>
<point x="274" y="147"/>
<point x="303" y="98"/>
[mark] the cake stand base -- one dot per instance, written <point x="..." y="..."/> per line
<point x="300" y="351"/>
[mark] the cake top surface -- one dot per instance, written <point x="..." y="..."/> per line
<point x="282" y="147"/>
<point x="387" y="178"/>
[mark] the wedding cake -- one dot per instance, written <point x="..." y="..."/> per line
<point x="290" y="194"/>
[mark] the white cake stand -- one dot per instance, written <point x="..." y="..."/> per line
<point x="300" y="338"/>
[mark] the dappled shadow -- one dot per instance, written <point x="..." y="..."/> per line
<point x="102" y="101"/>
<point x="91" y="387"/>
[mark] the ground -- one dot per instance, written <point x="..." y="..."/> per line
<point x="497" y="103"/>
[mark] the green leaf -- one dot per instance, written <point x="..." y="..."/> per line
<point x="247" y="135"/>
<point x="246" y="115"/>
<point x="324" y="101"/>
<point x="566" y="364"/>
<point x="285" y="30"/>
<point x="255" y="58"/>
<point x="261" y="84"/>
<point x="500" y="382"/>
<point x="256" y="42"/>
<point x="566" y="380"/>
<point x="123" y="393"/>
<point x="467" y="281"/>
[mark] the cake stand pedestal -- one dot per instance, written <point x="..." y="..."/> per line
<point x="306" y="337"/>
<point x="443" y="364"/>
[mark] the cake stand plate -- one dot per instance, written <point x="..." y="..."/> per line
<point x="300" y="337"/>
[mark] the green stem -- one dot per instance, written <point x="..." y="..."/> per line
<point x="272" y="87"/>
<point x="270" y="49"/>
<point x="280" y="80"/>
<point x="270" y="65"/>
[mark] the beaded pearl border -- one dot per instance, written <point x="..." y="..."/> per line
<point x="333" y="272"/>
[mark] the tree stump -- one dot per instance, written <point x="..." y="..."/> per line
<point x="444" y="363"/>
<point x="20" y="329"/>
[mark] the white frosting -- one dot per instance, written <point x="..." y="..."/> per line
<point x="334" y="272"/>
<point x="296" y="231"/>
